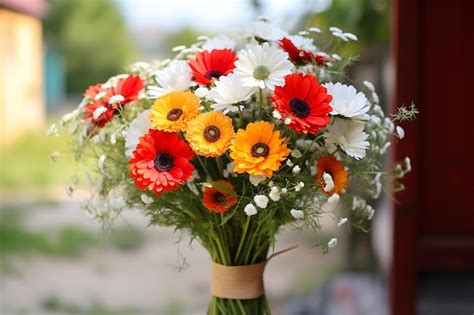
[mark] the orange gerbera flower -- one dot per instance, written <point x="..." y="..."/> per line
<point x="220" y="197"/>
<point x="258" y="150"/>
<point x="339" y="176"/>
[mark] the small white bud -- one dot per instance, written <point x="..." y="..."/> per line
<point x="117" y="98"/>
<point x="400" y="132"/>
<point x="332" y="242"/>
<point x="296" y="153"/>
<point x="342" y="222"/>
<point x="296" y="169"/>
<point x="261" y="201"/>
<point x="257" y="179"/>
<point x="98" y="112"/>
<point x="250" y="210"/>
<point x="146" y="199"/>
<point x="287" y="120"/>
<point x="276" y="114"/>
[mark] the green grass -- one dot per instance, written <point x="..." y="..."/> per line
<point x="64" y="241"/>
<point x="25" y="163"/>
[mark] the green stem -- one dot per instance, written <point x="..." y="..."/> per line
<point x="242" y="239"/>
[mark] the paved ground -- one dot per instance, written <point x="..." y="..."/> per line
<point x="144" y="279"/>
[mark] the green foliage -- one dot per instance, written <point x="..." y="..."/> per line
<point x="93" y="37"/>
<point x="26" y="163"/>
<point x="371" y="19"/>
<point x="185" y="36"/>
<point x="67" y="241"/>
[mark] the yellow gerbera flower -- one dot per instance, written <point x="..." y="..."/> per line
<point x="172" y="111"/>
<point x="210" y="134"/>
<point x="258" y="150"/>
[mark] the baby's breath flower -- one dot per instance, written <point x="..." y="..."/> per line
<point x="400" y="132"/>
<point x="52" y="131"/>
<point x="54" y="156"/>
<point x="296" y="153"/>
<point x="250" y="210"/>
<point x="332" y="242"/>
<point x="257" y="179"/>
<point x="261" y="201"/>
<point x="341" y="222"/>
<point x="146" y="199"/>
<point x="274" y="194"/>
<point x="296" y="169"/>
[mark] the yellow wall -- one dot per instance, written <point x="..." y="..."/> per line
<point x="21" y="76"/>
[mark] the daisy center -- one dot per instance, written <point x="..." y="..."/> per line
<point x="260" y="150"/>
<point x="213" y="74"/>
<point x="299" y="107"/>
<point x="174" y="114"/>
<point x="163" y="162"/>
<point x="261" y="72"/>
<point x="212" y="133"/>
<point x="220" y="198"/>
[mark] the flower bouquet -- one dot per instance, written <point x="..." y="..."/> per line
<point x="233" y="139"/>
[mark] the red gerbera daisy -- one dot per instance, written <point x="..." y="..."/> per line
<point x="209" y="65"/>
<point x="300" y="56"/>
<point x="305" y="101"/>
<point x="219" y="198"/>
<point x="105" y="102"/>
<point x="161" y="161"/>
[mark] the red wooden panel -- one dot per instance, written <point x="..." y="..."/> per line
<point x="434" y="221"/>
<point x="405" y="47"/>
<point x="446" y="74"/>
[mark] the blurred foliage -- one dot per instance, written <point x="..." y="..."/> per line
<point x="185" y="36"/>
<point x="92" y="35"/>
<point x="368" y="19"/>
<point x="64" y="241"/>
<point x="26" y="163"/>
<point x="53" y="304"/>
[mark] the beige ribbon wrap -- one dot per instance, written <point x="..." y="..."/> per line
<point x="240" y="282"/>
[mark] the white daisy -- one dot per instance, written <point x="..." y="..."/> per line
<point x="303" y="43"/>
<point x="175" y="77"/>
<point x="138" y="127"/>
<point x="349" y="136"/>
<point x="265" y="31"/>
<point x="219" y="42"/>
<point x="346" y="101"/>
<point x="228" y="92"/>
<point x="263" y="66"/>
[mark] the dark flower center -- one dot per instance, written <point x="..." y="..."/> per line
<point x="174" y="114"/>
<point x="260" y="149"/>
<point x="212" y="133"/>
<point x="163" y="162"/>
<point x="299" y="107"/>
<point x="220" y="198"/>
<point x="213" y="74"/>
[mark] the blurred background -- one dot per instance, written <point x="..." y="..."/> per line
<point x="53" y="259"/>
